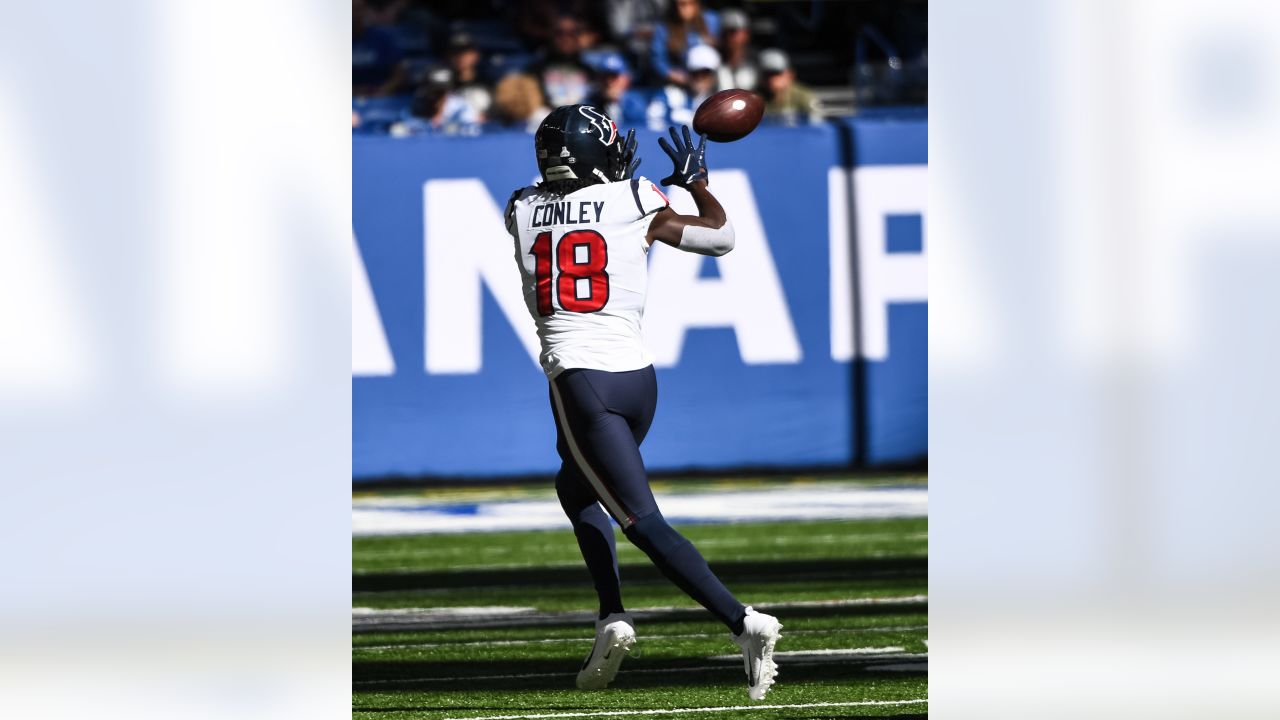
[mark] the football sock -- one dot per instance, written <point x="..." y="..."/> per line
<point x="683" y="565"/>
<point x="595" y="538"/>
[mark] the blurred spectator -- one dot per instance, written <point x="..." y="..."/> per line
<point x="703" y="63"/>
<point x="589" y="43"/>
<point x="536" y="19"/>
<point x="412" y="22"/>
<point x="464" y="63"/>
<point x="377" y="65"/>
<point x="613" y="93"/>
<point x="687" y="26"/>
<point x="518" y="101"/>
<point x="597" y="52"/>
<point x="437" y="110"/>
<point x="631" y="22"/>
<point x="565" y="78"/>
<point x="650" y="62"/>
<point x="675" y="104"/>
<point x="739" y="68"/>
<point x="785" y="99"/>
<point x="384" y="12"/>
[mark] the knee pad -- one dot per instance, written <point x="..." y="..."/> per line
<point x="652" y="534"/>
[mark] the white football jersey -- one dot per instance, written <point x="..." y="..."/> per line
<point x="583" y="260"/>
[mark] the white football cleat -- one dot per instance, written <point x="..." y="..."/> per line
<point x="615" y="636"/>
<point x="760" y="633"/>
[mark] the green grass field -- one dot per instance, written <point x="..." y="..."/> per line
<point x="851" y="595"/>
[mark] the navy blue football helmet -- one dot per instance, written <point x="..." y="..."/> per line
<point x="579" y="142"/>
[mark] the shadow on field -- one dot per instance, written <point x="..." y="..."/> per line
<point x="449" y="708"/>
<point x="489" y="675"/>
<point x="425" y="620"/>
<point x="774" y="571"/>
<point x="891" y="714"/>
<point x="532" y="709"/>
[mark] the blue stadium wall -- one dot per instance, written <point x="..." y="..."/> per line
<point x="805" y="347"/>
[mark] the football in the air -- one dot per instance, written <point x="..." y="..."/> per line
<point x="728" y="115"/>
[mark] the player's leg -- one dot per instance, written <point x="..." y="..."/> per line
<point x="755" y="633"/>
<point x="643" y="404"/>
<point x="594" y="531"/>
<point x="615" y="633"/>
<point x="601" y="413"/>
<point x="591" y="526"/>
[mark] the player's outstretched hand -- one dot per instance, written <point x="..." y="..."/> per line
<point x="630" y="163"/>
<point x="690" y="162"/>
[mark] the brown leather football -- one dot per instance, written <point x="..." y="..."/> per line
<point x="728" y="115"/>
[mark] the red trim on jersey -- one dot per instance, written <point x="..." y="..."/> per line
<point x="660" y="193"/>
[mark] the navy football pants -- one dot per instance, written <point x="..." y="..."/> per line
<point x="601" y="419"/>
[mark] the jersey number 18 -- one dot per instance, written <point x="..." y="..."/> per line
<point x="573" y="265"/>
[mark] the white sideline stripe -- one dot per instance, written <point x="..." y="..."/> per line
<point x="639" y="671"/>
<point x="519" y="676"/>
<point x="587" y="640"/>
<point x="846" y="602"/>
<point x="484" y="611"/>
<point x="601" y="491"/>
<point x="806" y="654"/>
<point x="849" y="602"/>
<point x="684" y="711"/>
<point x="844" y="501"/>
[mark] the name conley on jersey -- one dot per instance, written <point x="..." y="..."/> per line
<point x="565" y="213"/>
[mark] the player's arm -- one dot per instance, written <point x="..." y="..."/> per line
<point x="707" y="233"/>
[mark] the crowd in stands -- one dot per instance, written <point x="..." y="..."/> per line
<point x="421" y="67"/>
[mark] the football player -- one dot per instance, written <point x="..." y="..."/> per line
<point x="582" y="238"/>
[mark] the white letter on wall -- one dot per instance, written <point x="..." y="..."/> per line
<point x="370" y="353"/>
<point x="467" y="245"/>
<point x="747" y="296"/>
<point x="883" y="277"/>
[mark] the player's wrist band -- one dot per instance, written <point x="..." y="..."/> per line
<point x="707" y="241"/>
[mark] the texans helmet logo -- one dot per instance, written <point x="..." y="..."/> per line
<point x="600" y="121"/>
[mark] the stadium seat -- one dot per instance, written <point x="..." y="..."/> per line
<point x="413" y="41"/>
<point x="378" y="114"/>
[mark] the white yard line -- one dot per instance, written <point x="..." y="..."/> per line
<point x="794" y="655"/>
<point x="684" y="711"/>
<point x="485" y="611"/>
<point x="502" y="611"/>
<point x="517" y="676"/>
